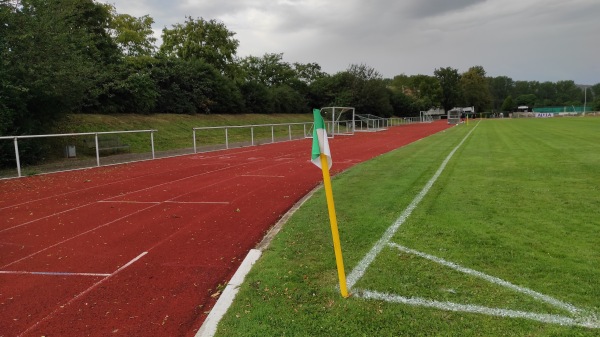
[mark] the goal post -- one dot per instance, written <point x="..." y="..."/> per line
<point x="339" y="120"/>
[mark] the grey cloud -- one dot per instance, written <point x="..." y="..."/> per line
<point x="428" y="8"/>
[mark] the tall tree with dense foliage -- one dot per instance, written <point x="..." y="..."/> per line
<point x="449" y="80"/>
<point x="508" y="104"/>
<point x="475" y="89"/>
<point x="133" y="35"/>
<point x="270" y="69"/>
<point x="208" y="40"/>
<point x="500" y="89"/>
<point x="369" y="94"/>
<point x="53" y="53"/>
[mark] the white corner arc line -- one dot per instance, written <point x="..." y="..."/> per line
<point x="476" y="309"/>
<point x="366" y="261"/>
<point x="539" y="296"/>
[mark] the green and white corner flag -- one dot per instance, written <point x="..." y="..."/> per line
<point x="320" y="144"/>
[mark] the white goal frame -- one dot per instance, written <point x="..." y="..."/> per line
<point x="339" y="120"/>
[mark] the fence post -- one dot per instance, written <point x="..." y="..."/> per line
<point x="17" y="157"/>
<point x="272" y="135"/>
<point x="252" y="134"/>
<point x="290" y="131"/>
<point x="226" y="139"/>
<point x="194" y="136"/>
<point x="97" y="150"/>
<point x="152" y="142"/>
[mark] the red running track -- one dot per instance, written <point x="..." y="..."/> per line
<point x="138" y="249"/>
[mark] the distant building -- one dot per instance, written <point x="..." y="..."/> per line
<point x="463" y="111"/>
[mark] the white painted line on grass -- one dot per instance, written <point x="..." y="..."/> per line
<point x="209" y="327"/>
<point x="50" y="273"/>
<point x="366" y="261"/>
<point x="476" y="309"/>
<point x="544" y="298"/>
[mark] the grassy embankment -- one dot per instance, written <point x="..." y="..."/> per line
<point x="174" y="131"/>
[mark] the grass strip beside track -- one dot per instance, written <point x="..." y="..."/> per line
<point x="518" y="201"/>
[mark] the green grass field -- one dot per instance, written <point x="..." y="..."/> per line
<point x="517" y="204"/>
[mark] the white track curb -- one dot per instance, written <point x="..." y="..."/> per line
<point x="209" y="327"/>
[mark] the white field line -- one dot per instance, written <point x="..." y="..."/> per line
<point x="544" y="298"/>
<point x="198" y="202"/>
<point x="588" y="322"/>
<point x="366" y="261"/>
<point x="81" y="294"/>
<point x="128" y="202"/>
<point x="50" y="273"/>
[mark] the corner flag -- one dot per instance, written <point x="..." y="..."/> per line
<point x="320" y="144"/>
<point x="321" y="156"/>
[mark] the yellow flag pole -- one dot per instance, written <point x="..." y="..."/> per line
<point x="337" y="247"/>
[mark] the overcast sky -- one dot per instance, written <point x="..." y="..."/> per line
<point x="533" y="40"/>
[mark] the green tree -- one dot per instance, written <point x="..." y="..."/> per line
<point x="528" y="100"/>
<point x="567" y="93"/>
<point x="257" y="97"/>
<point x="210" y="41"/>
<point x="269" y="70"/>
<point x="475" y="89"/>
<point x="130" y="88"/>
<point x="133" y="35"/>
<point x="428" y="90"/>
<point x="287" y="100"/>
<point x="449" y="80"/>
<point x="308" y="72"/>
<point x="546" y="94"/>
<point x="190" y="87"/>
<point x="508" y="104"/>
<point x="500" y="88"/>
<point x="369" y="94"/>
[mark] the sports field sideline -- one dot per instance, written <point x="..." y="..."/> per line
<point x="144" y="248"/>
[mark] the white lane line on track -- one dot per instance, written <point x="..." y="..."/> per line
<point x="198" y="202"/>
<point x="121" y="195"/>
<point x="112" y="183"/>
<point x="73" y="237"/>
<point x="366" y="261"/>
<point x="81" y="294"/>
<point x="50" y="273"/>
<point x="108" y="200"/>
<point x="129" y="202"/>
<point x="261" y="176"/>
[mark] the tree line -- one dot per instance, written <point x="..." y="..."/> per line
<point x="80" y="56"/>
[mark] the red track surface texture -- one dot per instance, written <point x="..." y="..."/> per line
<point x="138" y="249"/>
